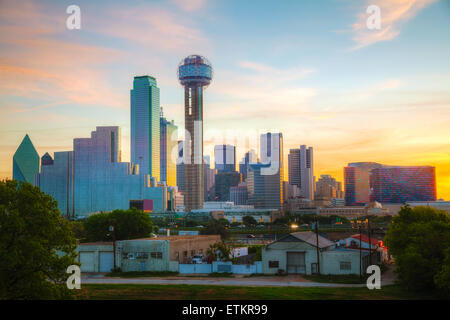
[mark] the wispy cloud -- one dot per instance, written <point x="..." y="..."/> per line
<point x="190" y="5"/>
<point x="394" y="13"/>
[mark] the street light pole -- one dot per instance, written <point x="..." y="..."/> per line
<point x="113" y="230"/>
<point x="317" y="247"/>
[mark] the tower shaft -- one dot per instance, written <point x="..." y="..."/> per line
<point x="193" y="146"/>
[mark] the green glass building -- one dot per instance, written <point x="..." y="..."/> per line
<point x="25" y="162"/>
<point x="145" y="126"/>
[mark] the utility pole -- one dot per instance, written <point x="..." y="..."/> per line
<point x="370" y="242"/>
<point x="360" y="254"/>
<point x="112" y="229"/>
<point x="317" y="246"/>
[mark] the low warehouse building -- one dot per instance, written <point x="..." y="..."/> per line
<point x="296" y="253"/>
<point x="149" y="254"/>
<point x="96" y="256"/>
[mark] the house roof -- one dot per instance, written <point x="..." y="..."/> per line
<point x="365" y="238"/>
<point x="308" y="237"/>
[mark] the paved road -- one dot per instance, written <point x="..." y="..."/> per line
<point x="268" y="281"/>
<point x="216" y="282"/>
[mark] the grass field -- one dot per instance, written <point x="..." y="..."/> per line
<point x="200" y="292"/>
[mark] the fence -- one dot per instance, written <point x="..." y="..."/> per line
<point x="218" y="266"/>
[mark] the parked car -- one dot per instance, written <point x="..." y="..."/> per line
<point x="198" y="259"/>
<point x="251" y="236"/>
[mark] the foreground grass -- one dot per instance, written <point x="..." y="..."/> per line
<point x="203" y="292"/>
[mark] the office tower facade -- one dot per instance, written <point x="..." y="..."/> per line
<point x="327" y="188"/>
<point x="223" y="182"/>
<point x="225" y="158"/>
<point x="180" y="167"/>
<point x="92" y="179"/>
<point x="239" y="194"/>
<point x="399" y="184"/>
<point x="194" y="74"/>
<point x="271" y="154"/>
<point x="56" y="179"/>
<point x="168" y="145"/>
<point x="301" y="170"/>
<point x="25" y="162"/>
<point x="249" y="157"/>
<point x="357" y="182"/>
<point x="145" y="126"/>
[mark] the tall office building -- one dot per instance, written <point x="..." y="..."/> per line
<point x="357" y="182"/>
<point x="225" y="158"/>
<point x="239" y="194"/>
<point x="271" y="155"/>
<point x="25" y="162"/>
<point x="194" y="73"/>
<point x="263" y="190"/>
<point x="399" y="184"/>
<point x="249" y="157"/>
<point x="145" y="126"/>
<point x="301" y="170"/>
<point x="168" y="145"/>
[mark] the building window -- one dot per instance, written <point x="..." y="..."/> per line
<point x="141" y="255"/>
<point x="124" y="255"/>
<point x="273" y="264"/>
<point x="192" y="252"/>
<point x="156" y="255"/>
<point x="131" y="256"/>
<point x="200" y="251"/>
<point x="344" y="265"/>
<point x="185" y="253"/>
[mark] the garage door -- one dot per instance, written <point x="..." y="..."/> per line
<point x="296" y="263"/>
<point x="87" y="261"/>
<point x="106" y="261"/>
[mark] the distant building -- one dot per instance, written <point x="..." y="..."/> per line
<point x="145" y="126"/>
<point x="92" y="178"/>
<point x="328" y="188"/>
<point x="25" y="162"/>
<point x="168" y="144"/>
<point x="180" y="167"/>
<point x="225" y="158"/>
<point x="264" y="191"/>
<point x="357" y="182"/>
<point x="209" y="177"/>
<point x="399" y="184"/>
<point x="223" y="182"/>
<point x="250" y="157"/>
<point x="301" y="170"/>
<point x="239" y="194"/>
<point x="440" y="204"/>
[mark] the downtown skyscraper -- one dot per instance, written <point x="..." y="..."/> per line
<point x="301" y="170"/>
<point x="145" y="126"/>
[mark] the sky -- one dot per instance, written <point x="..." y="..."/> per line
<point x="309" y="69"/>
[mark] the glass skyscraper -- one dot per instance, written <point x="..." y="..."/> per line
<point x="301" y="170"/>
<point x="145" y="126"/>
<point x="25" y="162"/>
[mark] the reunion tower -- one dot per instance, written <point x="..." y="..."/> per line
<point x="194" y="73"/>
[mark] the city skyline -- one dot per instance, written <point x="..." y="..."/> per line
<point x="385" y="113"/>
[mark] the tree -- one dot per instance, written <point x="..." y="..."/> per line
<point x="36" y="244"/>
<point x="215" y="227"/>
<point x="419" y="240"/>
<point x="128" y="224"/>
<point x="219" y="251"/>
<point x="249" y="221"/>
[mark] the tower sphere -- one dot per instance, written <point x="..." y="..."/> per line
<point x="195" y="70"/>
